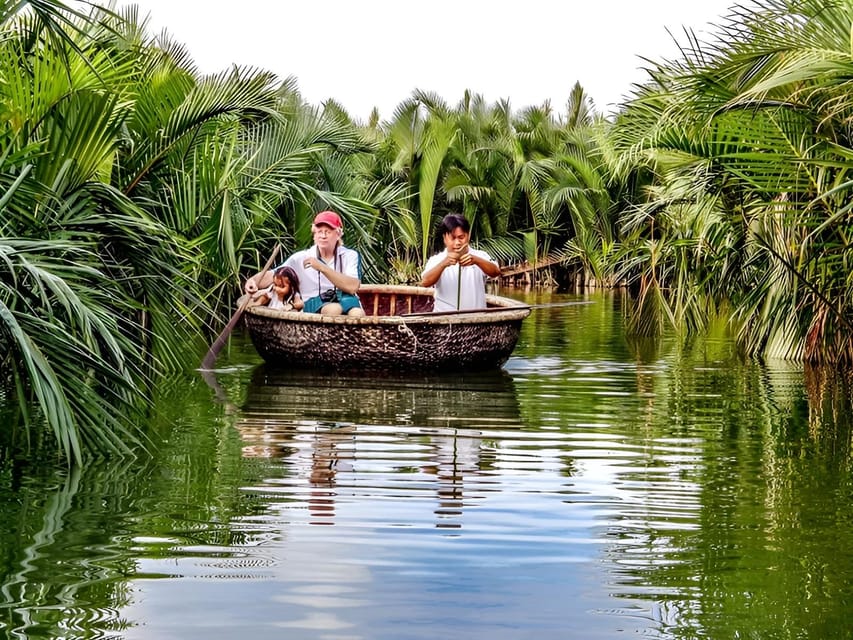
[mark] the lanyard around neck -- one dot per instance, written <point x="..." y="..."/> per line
<point x="334" y="265"/>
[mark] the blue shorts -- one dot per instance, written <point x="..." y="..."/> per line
<point x="346" y="300"/>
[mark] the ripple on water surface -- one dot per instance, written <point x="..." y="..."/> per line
<point x="564" y="496"/>
<point x="455" y="501"/>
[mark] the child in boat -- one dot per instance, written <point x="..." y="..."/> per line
<point x="283" y="293"/>
<point x="329" y="273"/>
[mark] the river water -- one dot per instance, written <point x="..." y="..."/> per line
<point x="595" y="487"/>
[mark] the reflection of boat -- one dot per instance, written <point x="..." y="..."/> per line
<point x="479" y="399"/>
<point x="399" y="332"/>
<point x="335" y="435"/>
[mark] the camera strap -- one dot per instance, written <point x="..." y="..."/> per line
<point x="334" y="266"/>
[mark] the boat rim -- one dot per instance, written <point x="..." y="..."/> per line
<point x="503" y="309"/>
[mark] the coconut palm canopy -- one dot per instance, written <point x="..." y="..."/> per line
<point x="132" y="190"/>
<point x="136" y="194"/>
<point x="748" y="142"/>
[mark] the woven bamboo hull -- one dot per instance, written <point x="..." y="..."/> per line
<point x="386" y="340"/>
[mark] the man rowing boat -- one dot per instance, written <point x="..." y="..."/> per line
<point x="462" y="287"/>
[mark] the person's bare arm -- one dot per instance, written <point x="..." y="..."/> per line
<point x="486" y="266"/>
<point x="453" y="258"/>
<point x="261" y="297"/>
<point x="431" y="277"/>
<point x="347" y="284"/>
<point x="253" y="286"/>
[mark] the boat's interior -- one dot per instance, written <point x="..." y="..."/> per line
<point x="392" y="301"/>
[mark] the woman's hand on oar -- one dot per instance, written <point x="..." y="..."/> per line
<point x="210" y="358"/>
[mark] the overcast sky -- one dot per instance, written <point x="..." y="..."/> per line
<point x="366" y="53"/>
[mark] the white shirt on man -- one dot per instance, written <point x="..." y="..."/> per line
<point x="469" y="291"/>
<point x="311" y="282"/>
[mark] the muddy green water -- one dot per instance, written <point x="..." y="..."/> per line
<point x="594" y="488"/>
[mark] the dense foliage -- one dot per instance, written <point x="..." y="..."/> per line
<point x="136" y="193"/>
<point x="749" y="142"/>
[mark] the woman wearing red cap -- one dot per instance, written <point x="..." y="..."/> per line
<point x="329" y="273"/>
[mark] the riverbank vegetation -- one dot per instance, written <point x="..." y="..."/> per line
<point x="137" y="193"/>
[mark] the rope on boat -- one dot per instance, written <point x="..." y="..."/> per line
<point x="404" y="328"/>
<point x="448" y="335"/>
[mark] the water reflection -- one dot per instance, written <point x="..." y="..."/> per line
<point x="323" y="425"/>
<point x="597" y="488"/>
<point x="436" y="399"/>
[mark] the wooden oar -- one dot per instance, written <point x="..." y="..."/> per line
<point x="217" y="345"/>
<point x="459" y="279"/>
<point x="545" y="305"/>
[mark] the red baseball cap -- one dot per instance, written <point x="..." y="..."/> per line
<point x="329" y="218"/>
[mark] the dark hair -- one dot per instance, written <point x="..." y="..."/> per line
<point x="453" y="221"/>
<point x="290" y="274"/>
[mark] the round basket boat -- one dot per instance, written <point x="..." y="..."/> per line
<point x="399" y="332"/>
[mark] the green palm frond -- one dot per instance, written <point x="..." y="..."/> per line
<point x="438" y="138"/>
<point x="64" y="341"/>
<point x="237" y="93"/>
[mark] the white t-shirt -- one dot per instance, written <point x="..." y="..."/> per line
<point x="276" y="302"/>
<point x="471" y="294"/>
<point x="311" y="282"/>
